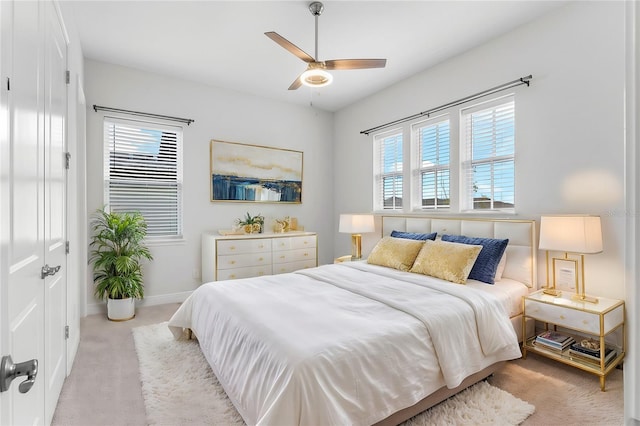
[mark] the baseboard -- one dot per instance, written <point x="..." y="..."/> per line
<point x="101" y="308"/>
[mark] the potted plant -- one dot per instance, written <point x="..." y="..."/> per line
<point x="251" y="224"/>
<point x="117" y="252"/>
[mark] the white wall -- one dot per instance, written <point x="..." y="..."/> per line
<point x="223" y="115"/>
<point x="569" y="128"/>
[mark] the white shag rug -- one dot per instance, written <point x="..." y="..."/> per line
<point x="179" y="388"/>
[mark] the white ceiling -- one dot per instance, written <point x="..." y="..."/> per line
<point x="222" y="43"/>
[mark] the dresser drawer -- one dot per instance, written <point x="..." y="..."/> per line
<point x="253" y="271"/>
<point x="283" y="268"/>
<point x="291" y="243"/>
<point x="243" y="246"/>
<point x="243" y="260"/>
<point x="294" y="255"/>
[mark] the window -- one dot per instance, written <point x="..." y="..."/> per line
<point x="388" y="171"/>
<point x="143" y="172"/>
<point x="462" y="160"/>
<point x="488" y="156"/>
<point x="432" y="173"/>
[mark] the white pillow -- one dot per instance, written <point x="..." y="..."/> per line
<point x="501" y="265"/>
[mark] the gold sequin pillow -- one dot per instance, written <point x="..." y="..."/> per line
<point x="446" y="260"/>
<point x="397" y="253"/>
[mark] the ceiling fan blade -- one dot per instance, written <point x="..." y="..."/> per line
<point x="296" y="83"/>
<point x="289" y="46"/>
<point x="354" y="64"/>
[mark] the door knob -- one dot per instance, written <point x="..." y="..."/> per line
<point x="9" y="371"/>
<point x="49" y="270"/>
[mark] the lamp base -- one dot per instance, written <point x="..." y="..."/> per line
<point x="552" y="291"/>
<point x="584" y="298"/>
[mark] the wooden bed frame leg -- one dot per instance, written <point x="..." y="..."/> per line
<point x="189" y="334"/>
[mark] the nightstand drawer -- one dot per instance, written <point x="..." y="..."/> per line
<point x="577" y="320"/>
<point x="571" y="318"/>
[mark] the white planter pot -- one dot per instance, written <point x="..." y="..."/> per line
<point x="121" y="309"/>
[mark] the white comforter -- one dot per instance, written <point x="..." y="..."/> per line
<point x="342" y="344"/>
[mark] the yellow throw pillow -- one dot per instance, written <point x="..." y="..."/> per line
<point x="397" y="253"/>
<point x="446" y="260"/>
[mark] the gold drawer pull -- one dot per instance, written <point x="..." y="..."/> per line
<point x="261" y="246"/>
<point x="306" y="254"/>
<point x="261" y="259"/>
<point x="232" y="276"/>
<point x="283" y="257"/>
<point x="232" y="248"/>
<point x="261" y="273"/>
<point x="283" y="270"/>
<point x="562" y="317"/>
<point x="306" y="242"/>
<point x="232" y="262"/>
<point x="585" y="322"/>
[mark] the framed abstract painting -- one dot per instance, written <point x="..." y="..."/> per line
<point x="254" y="173"/>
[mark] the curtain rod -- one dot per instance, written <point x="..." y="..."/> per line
<point x="514" y="83"/>
<point x="188" y="121"/>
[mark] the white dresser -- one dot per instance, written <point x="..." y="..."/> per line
<point x="252" y="255"/>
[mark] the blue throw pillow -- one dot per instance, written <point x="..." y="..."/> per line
<point x="414" y="235"/>
<point x="487" y="262"/>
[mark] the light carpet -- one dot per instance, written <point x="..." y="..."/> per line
<point x="179" y="388"/>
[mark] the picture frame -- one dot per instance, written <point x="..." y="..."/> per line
<point x="254" y="173"/>
<point x="565" y="273"/>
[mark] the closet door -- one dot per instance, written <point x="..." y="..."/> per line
<point x="23" y="210"/>
<point x="33" y="199"/>
<point x="55" y="183"/>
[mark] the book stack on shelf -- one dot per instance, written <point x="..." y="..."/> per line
<point x="590" y="352"/>
<point x="554" y="341"/>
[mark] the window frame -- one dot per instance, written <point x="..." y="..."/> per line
<point x="418" y="169"/>
<point x="150" y="125"/>
<point x="467" y="162"/>
<point x="458" y="180"/>
<point x="379" y="175"/>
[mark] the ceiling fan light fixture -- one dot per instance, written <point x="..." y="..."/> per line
<point x="316" y="78"/>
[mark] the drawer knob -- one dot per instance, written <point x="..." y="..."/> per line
<point x="562" y="317"/>
<point x="306" y="242"/>
<point x="585" y="322"/>
<point x="283" y="256"/>
<point x="232" y="276"/>
<point x="261" y="259"/>
<point x="232" y="262"/>
<point x="261" y="246"/>
<point x="306" y="254"/>
<point x="232" y="248"/>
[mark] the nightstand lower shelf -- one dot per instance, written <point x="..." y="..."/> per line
<point x="567" y="358"/>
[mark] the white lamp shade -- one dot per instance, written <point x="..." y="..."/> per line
<point x="572" y="234"/>
<point x="356" y="223"/>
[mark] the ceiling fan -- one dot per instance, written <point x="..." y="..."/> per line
<point x="316" y="74"/>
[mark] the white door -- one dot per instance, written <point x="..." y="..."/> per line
<point x="22" y="200"/>
<point x="55" y="181"/>
<point x="32" y="212"/>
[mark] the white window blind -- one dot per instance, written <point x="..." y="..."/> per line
<point x="488" y="167"/>
<point x="388" y="171"/>
<point x="143" y="172"/>
<point x="431" y="177"/>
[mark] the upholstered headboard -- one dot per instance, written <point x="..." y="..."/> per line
<point x="521" y="251"/>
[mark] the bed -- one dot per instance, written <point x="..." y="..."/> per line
<point x="361" y="343"/>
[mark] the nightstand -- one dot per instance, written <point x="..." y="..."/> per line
<point x="582" y="320"/>
<point x="341" y="259"/>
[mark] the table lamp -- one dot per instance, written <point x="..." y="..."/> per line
<point x="576" y="234"/>
<point x="356" y="224"/>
